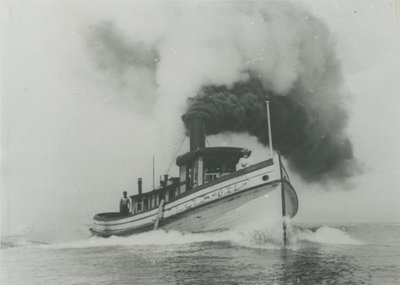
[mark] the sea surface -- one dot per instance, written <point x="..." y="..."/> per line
<point x="318" y="254"/>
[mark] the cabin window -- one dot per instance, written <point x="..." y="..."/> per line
<point x="138" y="205"/>
<point x="134" y="206"/>
<point x="215" y="168"/>
<point x="211" y="176"/>
<point x="211" y="172"/>
<point x="195" y="174"/>
<point x="189" y="177"/>
<point x="200" y="170"/>
<point x="182" y="178"/>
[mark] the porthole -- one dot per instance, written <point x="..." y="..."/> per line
<point x="265" y="177"/>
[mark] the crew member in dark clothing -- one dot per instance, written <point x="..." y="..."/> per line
<point x="125" y="204"/>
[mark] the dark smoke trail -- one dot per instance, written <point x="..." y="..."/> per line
<point x="311" y="138"/>
<point x="233" y="55"/>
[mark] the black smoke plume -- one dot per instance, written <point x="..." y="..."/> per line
<point x="233" y="55"/>
<point x="311" y="138"/>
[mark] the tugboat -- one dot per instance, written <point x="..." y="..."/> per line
<point x="213" y="192"/>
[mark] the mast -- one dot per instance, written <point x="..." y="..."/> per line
<point x="154" y="187"/>
<point x="285" y="240"/>
<point x="271" y="150"/>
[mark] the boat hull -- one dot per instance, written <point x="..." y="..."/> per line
<point x="261" y="202"/>
<point x="251" y="196"/>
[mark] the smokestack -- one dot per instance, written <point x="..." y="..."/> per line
<point x="139" y="182"/>
<point x="197" y="133"/>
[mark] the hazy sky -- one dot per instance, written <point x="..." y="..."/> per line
<point x="76" y="133"/>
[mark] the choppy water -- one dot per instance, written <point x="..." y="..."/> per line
<point x="341" y="254"/>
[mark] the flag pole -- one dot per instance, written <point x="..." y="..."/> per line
<point x="154" y="186"/>
<point x="271" y="151"/>
<point x="285" y="240"/>
<point x="283" y="199"/>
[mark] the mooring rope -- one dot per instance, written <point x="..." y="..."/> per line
<point x="176" y="154"/>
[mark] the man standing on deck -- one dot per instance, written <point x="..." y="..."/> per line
<point x="124" y="204"/>
<point x="244" y="161"/>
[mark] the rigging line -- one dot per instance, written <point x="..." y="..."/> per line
<point x="170" y="165"/>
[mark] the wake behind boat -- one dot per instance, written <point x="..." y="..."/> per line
<point x="215" y="190"/>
